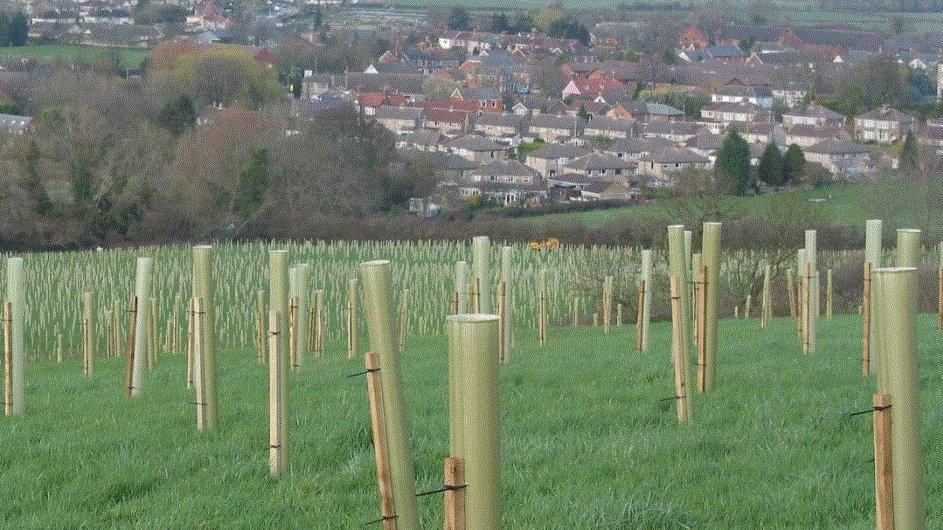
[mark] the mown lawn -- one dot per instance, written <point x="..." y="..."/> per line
<point x="589" y="440"/>
<point x="76" y="52"/>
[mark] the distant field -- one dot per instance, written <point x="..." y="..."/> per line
<point x="72" y="52"/>
<point x="844" y="206"/>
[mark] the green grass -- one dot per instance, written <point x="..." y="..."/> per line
<point x="588" y="440"/>
<point x="848" y="206"/>
<point x="76" y="52"/>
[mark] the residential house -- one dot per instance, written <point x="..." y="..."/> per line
<point x="502" y="128"/>
<point x="477" y="148"/>
<point x="678" y="131"/>
<point x="591" y="86"/>
<point x="447" y="122"/>
<point x="842" y="158"/>
<point x="883" y="125"/>
<point x="805" y="135"/>
<point x="760" y="96"/>
<point x="735" y="112"/>
<point x="506" y="182"/>
<point x="550" y="159"/>
<point x="601" y="126"/>
<point x="484" y="99"/>
<point x="399" y="120"/>
<point x="555" y="129"/>
<point x="12" y="124"/>
<point x="813" y="114"/>
<point x="662" y="164"/>
<point x="601" y="166"/>
<point x="634" y="148"/>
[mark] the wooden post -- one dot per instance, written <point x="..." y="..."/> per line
<point x="746" y="307"/>
<point x="129" y="376"/>
<point x="607" y="304"/>
<point x="829" y="304"/>
<point x="791" y="289"/>
<point x="380" y="444"/>
<point x="618" y="315"/>
<point x="543" y="307"/>
<point x="199" y="365"/>
<point x="261" y="327"/>
<point x="454" y="499"/>
<point x="646" y="272"/>
<point x="277" y="460"/>
<point x="455" y="302"/>
<point x="353" y="312"/>
<point x="677" y="348"/>
<point x="404" y="321"/>
<point x="502" y="322"/>
<point x="88" y="334"/>
<point x="702" y="333"/>
<point x="883" y="465"/>
<point x="806" y="307"/>
<point x="8" y="358"/>
<point x="866" y="313"/>
<point x="86" y="347"/>
<point x="191" y="331"/>
<point x="293" y="334"/>
<point x="939" y="300"/>
<point x="639" y="318"/>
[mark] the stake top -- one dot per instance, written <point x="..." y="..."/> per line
<point x="202" y="247"/>
<point x="472" y="318"/>
<point x="894" y="270"/>
<point x="676" y="227"/>
<point x="375" y="263"/>
<point x="908" y="230"/>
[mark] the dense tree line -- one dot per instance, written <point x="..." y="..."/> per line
<point x="114" y="160"/>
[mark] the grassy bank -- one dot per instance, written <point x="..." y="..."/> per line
<point x="75" y="52"/>
<point x="589" y="440"/>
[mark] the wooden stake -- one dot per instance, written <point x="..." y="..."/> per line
<point x="277" y="461"/>
<point x="806" y="307"/>
<point x="702" y="333"/>
<point x="86" y="348"/>
<point x="883" y="469"/>
<point x="191" y="330"/>
<point x="8" y="358"/>
<point x="454" y="499"/>
<point x="639" y="318"/>
<point x="677" y="348"/>
<point x="829" y="304"/>
<point x="791" y="289"/>
<point x="404" y="321"/>
<point x="866" y="321"/>
<point x="939" y="300"/>
<point x="293" y="334"/>
<point x="380" y="444"/>
<point x="260" y="327"/>
<point x="129" y="383"/>
<point x="502" y="322"/>
<point x="199" y="379"/>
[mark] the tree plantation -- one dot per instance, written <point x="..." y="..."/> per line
<point x="475" y="385"/>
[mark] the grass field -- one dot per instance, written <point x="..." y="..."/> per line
<point x="75" y="52"/>
<point x="850" y="206"/>
<point x="588" y="439"/>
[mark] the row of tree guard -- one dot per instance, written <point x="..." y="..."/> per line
<point x="480" y="339"/>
